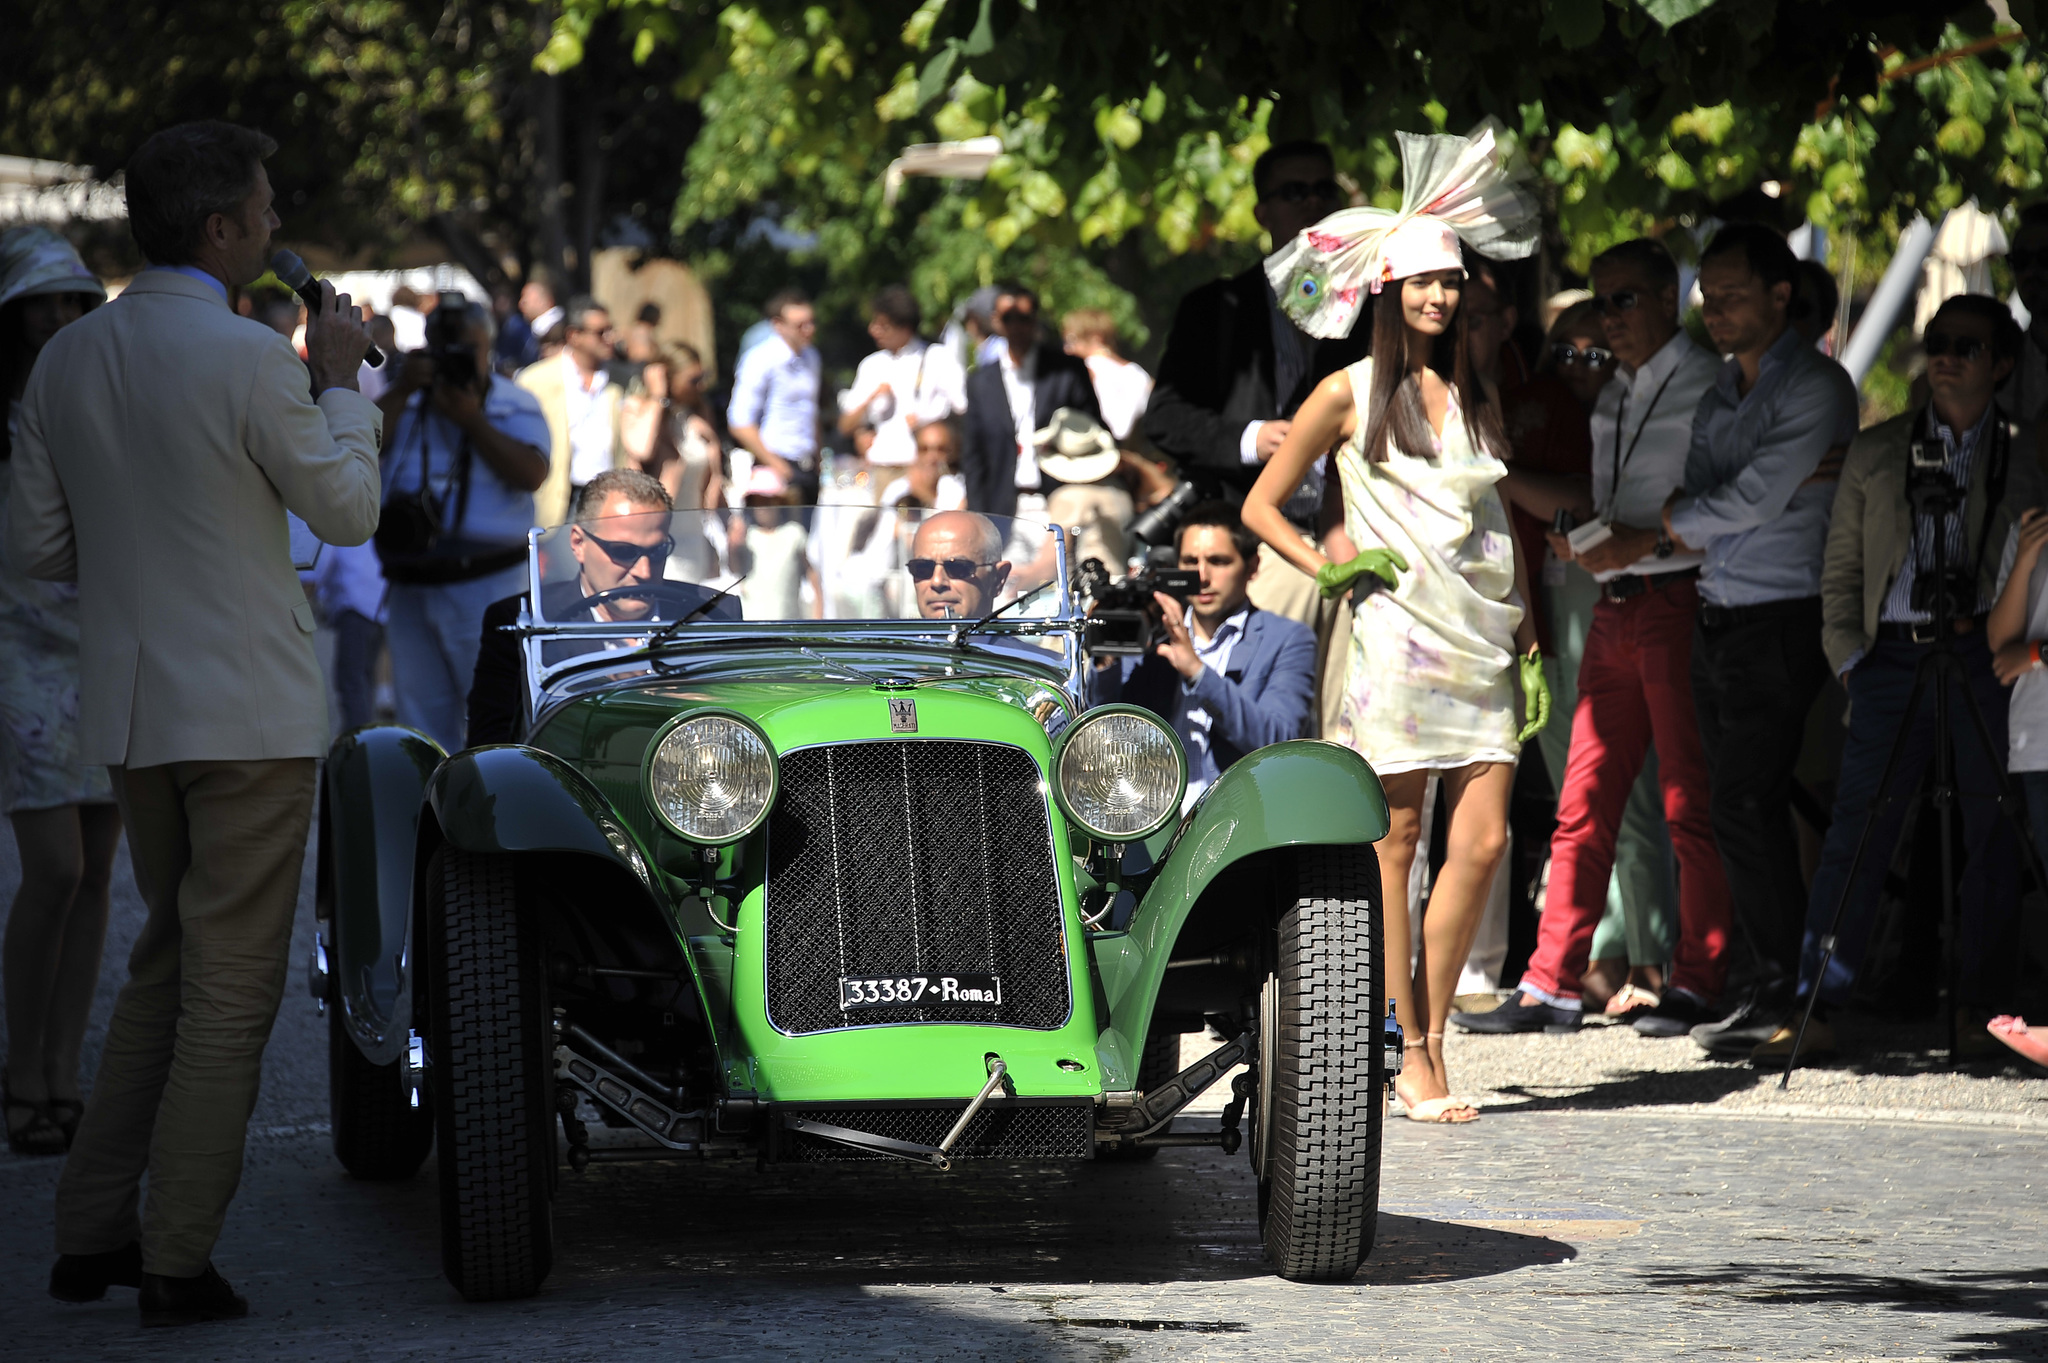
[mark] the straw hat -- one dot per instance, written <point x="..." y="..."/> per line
<point x="1076" y="448"/>
<point x="36" y="261"/>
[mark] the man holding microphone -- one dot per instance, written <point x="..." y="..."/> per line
<point x="161" y="447"/>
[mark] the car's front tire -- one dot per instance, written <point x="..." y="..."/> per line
<point x="378" y="1134"/>
<point x="1316" y="1143"/>
<point x="490" y="1067"/>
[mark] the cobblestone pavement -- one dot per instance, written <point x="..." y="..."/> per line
<point x="1619" y="1199"/>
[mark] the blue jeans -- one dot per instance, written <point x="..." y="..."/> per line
<point x="433" y="635"/>
<point x="1879" y="687"/>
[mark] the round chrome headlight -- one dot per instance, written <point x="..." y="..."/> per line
<point x="1118" y="772"/>
<point x="712" y="777"/>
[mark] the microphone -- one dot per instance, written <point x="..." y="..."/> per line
<point x="287" y="266"/>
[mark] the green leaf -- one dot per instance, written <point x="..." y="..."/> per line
<point x="1577" y="23"/>
<point x="1672" y="12"/>
<point x="931" y="82"/>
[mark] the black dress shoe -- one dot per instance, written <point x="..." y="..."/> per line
<point x="1516" y="1016"/>
<point x="86" y="1277"/>
<point x="187" y="1301"/>
<point x="1677" y="1015"/>
<point x="1742" y="1031"/>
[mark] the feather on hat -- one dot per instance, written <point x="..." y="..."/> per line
<point x="1463" y="184"/>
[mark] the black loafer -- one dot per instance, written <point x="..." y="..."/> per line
<point x="86" y="1277"/>
<point x="188" y="1301"/>
<point x="1519" y="1014"/>
<point x="1677" y="1015"/>
<point x="1742" y="1031"/>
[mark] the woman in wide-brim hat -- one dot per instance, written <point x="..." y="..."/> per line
<point x="65" y="822"/>
<point x="1435" y="652"/>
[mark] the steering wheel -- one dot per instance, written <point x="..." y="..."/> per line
<point x="672" y="600"/>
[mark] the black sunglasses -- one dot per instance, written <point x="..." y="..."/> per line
<point x="625" y="554"/>
<point x="1593" y="356"/>
<point x="1621" y="300"/>
<point x="921" y="569"/>
<point x="1294" y="191"/>
<point x="1017" y="315"/>
<point x="1964" y="348"/>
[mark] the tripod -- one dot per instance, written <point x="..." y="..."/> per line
<point x="1933" y="495"/>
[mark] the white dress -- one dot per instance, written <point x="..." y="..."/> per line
<point x="1430" y="683"/>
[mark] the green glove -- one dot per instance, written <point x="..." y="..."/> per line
<point x="1334" y="579"/>
<point x="1535" y="695"/>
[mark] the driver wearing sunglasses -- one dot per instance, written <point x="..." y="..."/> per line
<point x="957" y="566"/>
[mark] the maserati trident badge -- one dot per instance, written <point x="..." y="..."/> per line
<point x="902" y="715"/>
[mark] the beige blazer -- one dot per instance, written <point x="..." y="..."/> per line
<point x="162" y="440"/>
<point x="549" y="381"/>
<point x="1871" y="528"/>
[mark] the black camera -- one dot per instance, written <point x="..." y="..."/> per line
<point x="1158" y="525"/>
<point x="1948" y="592"/>
<point x="1123" y="619"/>
<point x="449" y="344"/>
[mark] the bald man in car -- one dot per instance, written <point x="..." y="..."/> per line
<point x="957" y="565"/>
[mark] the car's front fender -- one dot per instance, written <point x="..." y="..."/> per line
<point x="509" y="798"/>
<point x="1304" y="793"/>
<point x="369" y="819"/>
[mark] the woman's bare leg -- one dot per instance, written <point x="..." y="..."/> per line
<point x="52" y="868"/>
<point x="1418" y="1082"/>
<point x="1477" y="800"/>
<point x="85" y="938"/>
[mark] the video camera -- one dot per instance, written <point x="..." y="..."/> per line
<point x="1123" y="618"/>
<point x="449" y="344"/>
<point x="1951" y="591"/>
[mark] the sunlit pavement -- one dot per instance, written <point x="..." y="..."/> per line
<point x="1563" y="1228"/>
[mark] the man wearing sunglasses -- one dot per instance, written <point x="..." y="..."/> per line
<point x="581" y="402"/>
<point x="1634" y="682"/>
<point x="1008" y="400"/>
<point x="1235" y="369"/>
<point x="956" y="566"/>
<point x="1877" y="626"/>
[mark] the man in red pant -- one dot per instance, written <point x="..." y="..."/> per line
<point x="1635" y="684"/>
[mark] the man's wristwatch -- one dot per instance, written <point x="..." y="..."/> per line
<point x="1665" y="547"/>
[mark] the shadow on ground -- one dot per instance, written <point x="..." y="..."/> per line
<point x="2016" y="1298"/>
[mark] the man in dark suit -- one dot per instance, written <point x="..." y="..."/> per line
<point x="1011" y="397"/>
<point x="1230" y="677"/>
<point x="622" y="539"/>
<point x="1235" y="369"/>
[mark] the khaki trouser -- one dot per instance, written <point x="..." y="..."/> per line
<point x="217" y="848"/>
<point x="1286" y="590"/>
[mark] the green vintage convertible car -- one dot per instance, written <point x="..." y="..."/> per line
<point x="835" y="863"/>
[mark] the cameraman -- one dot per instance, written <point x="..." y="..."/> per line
<point x="1230" y="677"/>
<point x="1878" y="592"/>
<point x="462" y="457"/>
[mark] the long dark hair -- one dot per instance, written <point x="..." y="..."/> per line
<point x="1394" y="406"/>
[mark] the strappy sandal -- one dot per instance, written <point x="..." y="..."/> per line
<point x="40" y="1136"/>
<point x="1436" y="1111"/>
<point x="68" y="1113"/>
<point x="1632" y="998"/>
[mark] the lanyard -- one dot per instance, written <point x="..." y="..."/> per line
<point x="1621" y="423"/>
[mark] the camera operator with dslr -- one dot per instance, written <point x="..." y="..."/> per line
<point x="462" y="457"/>
<point x="1960" y="469"/>
<point x="1227" y="676"/>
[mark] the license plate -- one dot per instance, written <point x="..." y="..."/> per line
<point x="912" y="991"/>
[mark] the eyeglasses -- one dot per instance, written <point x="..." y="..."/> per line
<point x="1621" y="300"/>
<point x="1593" y="356"/>
<point x="625" y="554"/>
<point x="1294" y="191"/>
<point x="1964" y="348"/>
<point x="921" y="569"/>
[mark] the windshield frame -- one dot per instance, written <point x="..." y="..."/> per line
<point x="929" y="637"/>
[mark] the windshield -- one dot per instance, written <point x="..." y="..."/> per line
<point x="793" y="563"/>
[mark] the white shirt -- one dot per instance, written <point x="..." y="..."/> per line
<point x="952" y="493"/>
<point x="590" y="425"/>
<point x="545" y="323"/>
<point x="408" y="327"/>
<point x="925" y="382"/>
<point x="1649" y="412"/>
<point x="1020" y="385"/>
<point x="1122" y="390"/>
<point x="2027" y="711"/>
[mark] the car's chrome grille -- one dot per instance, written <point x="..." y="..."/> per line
<point x="905" y="857"/>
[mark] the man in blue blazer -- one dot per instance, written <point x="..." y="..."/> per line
<point x="1230" y="677"/>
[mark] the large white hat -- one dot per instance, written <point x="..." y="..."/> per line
<point x="1076" y="448"/>
<point x="36" y="261"/>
